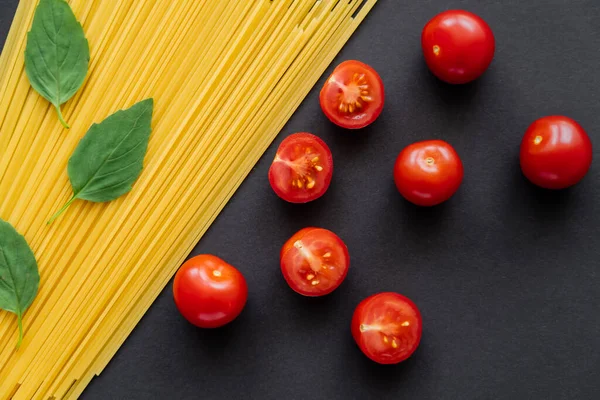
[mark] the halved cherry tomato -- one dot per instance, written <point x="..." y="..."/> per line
<point x="353" y="96"/>
<point x="208" y="292"/>
<point x="302" y="168"/>
<point x="428" y="173"/>
<point x="458" y="46"/>
<point x="555" y="152"/>
<point x="387" y="327"/>
<point x="314" y="261"/>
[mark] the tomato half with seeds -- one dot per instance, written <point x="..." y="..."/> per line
<point x="387" y="327"/>
<point x="302" y="168"/>
<point x="428" y="173"/>
<point x="314" y="262"/>
<point x="353" y="96"/>
<point x="208" y="292"/>
<point x="556" y="152"/>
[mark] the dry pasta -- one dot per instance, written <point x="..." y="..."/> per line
<point x="226" y="76"/>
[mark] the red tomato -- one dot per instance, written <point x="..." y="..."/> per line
<point x="387" y="327"/>
<point x="314" y="262"/>
<point x="458" y="46"/>
<point x="302" y="168"/>
<point x="208" y="292"/>
<point x="555" y="152"/>
<point x="353" y="96"/>
<point x="428" y="173"/>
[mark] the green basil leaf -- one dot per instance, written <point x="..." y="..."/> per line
<point x="19" y="276"/>
<point x="57" y="55"/>
<point x="110" y="157"/>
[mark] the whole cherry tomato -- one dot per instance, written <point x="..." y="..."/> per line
<point x="458" y="46"/>
<point x="387" y="327"/>
<point x="428" y="173"/>
<point x="208" y="292"/>
<point x="555" y="152"/>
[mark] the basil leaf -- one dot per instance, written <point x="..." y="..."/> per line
<point x="110" y="157"/>
<point x="57" y="54"/>
<point x="19" y="276"/>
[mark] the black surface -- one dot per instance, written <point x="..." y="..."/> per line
<point x="505" y="275"/>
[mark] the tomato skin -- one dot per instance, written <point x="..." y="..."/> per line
<point x="428" y="173"/>
<point x="387" y="327"/>
<point x="556" y="152"/>
<point x="314" y="262"/>
<point x="458" y="46"/>
<point x="353" y="96"/>
<point x="208" y="292"/>
<point x="302" y="169"/>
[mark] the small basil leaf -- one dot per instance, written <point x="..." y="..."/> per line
<point x="110" y="157"/>
<point x="19" y="276"/>
<point x="57" y="54"/>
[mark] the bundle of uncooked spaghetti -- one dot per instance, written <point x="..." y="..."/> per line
<point x="225" y="77"/>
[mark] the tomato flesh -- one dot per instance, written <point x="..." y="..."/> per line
<point x="387" y="327"/>
<point x="314" y="262"/>
<point x="428" y="173"/>
<point x="556" y="152"/>
<point x="353" y="96"/>
<point x="302" y="168"/>
<point x="208" y="292"/>
<point x="458" y="46"/>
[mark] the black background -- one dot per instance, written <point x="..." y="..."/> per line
<point x="504" y="274"/>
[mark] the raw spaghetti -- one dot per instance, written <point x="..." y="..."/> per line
<point x="226" y="76"/>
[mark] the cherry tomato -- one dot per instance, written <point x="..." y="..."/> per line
<point x="208" y="292"/>
<point x="555" y="152"/>
<point x="387" y="327"/>
<point x="302" y="168"/>
<point x="458" y="46"/>
<point x="353" y="96"/>
<point x="314" y="261"/>
<point x="428" y="173"/>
